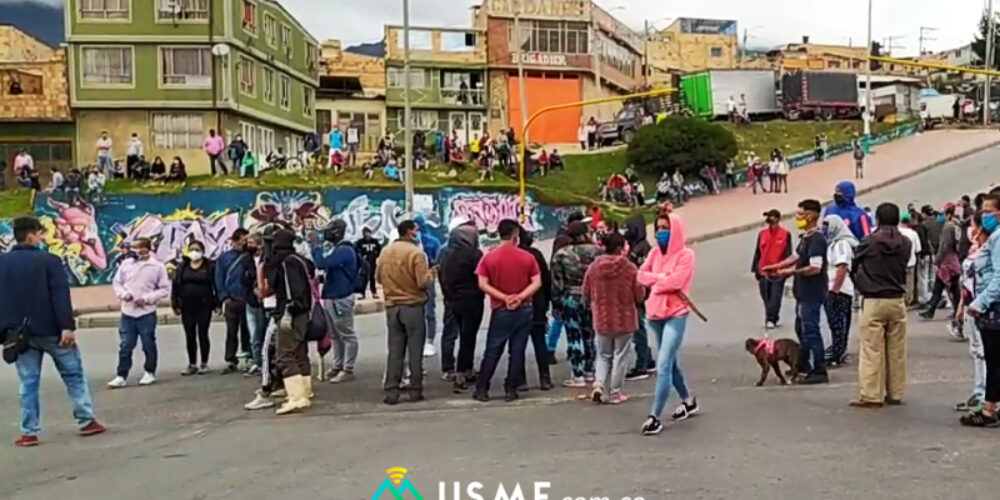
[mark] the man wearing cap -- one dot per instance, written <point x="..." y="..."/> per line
<point x="774" y="244"/>
<point x="906" y="229"/>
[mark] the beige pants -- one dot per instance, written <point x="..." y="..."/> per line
<point x="911" y="277"/>
<point x="882" y="364"/>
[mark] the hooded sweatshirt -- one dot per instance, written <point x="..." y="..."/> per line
<point x="667" y="272"/>
<point x="457" y="265"/>
<point x="880" y="264"/>
<point x="430" y="243"/>
<point x="635" y="235"/>
<point x="854" y="216"/>
<point x="611" y="287"/>
<point x="541" y="299"/>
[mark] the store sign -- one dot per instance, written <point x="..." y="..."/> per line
<point x="539" y="59"/>
<point x="541" y="8"/>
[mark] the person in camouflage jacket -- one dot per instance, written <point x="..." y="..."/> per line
<point x="569" y="266"/>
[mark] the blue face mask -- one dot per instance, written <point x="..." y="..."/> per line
<point x="989" y="222"/>
<point x="417" y="239"/>
<point x="663" y="238"/>
<point x="940" y="218"/>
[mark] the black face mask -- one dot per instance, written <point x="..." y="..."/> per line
<point x="839" y="199"/>
<point x="250" y="250"/>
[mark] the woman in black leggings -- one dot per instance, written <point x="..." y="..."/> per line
<point x="193" y="299"/>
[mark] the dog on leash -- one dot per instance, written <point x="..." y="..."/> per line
<point x="769" y="352"/>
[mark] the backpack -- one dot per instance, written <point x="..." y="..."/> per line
<point x="859" y="154"/>
<point x="359" y="281"/>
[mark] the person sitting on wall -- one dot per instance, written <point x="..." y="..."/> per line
<point x="248" y="166"/>
<point x="457" y="158"/>
<point x="277" y="160"/>
<point x="178" y="172"/>
<point x="393" y="172"/>
<point x="336" y="161"/>
<point x="420" y="160"/>
<point x="368" y="170"/>
<point x="74" y="186"/>
<point x="95" y="184"/>
<point x="543" y="162"/>
<point x="158" y="169"/>
<point x="556" y="161"/>
<point x="143" y="171"/>
<point x="24" y="178"/>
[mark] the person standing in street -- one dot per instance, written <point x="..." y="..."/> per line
<point x="561" y="240"/>
<point x="370" y="248"/>
<point x="539" y="313"/>
<point x="845" y="206"/>
<point x="569" y="266"/>
<point x="927" y="272"/>
<point x="839" y="302"/>
<point x="510" y="277"/>
<point x="880" y="277"/>
<point x="431" y="246"/>
<point x="463" y="303"/>
<point x="340" y="263"/>
<point x="668" y="273"/>
<point x="257" y="319"/>
<point x="638" y="248"/>
<point x="985" y="310"/>
<point x="213" y="147"/>
<point x="133" y="151"/>
<point x="192" y="298"/>
<point x="949" y="268"/>
<point x="37" y="305"/>
<point x="403" y="272"/>
<point x="611" y="288"/>
<point x="859" y="157"/>
<point x="809" y="267"/>
<point x="906" y="227"/>
<point x="774" y="245"/>
<point x="229" y="284"/>
<point x="977" y="238"/>
<point x="139" y="284"/>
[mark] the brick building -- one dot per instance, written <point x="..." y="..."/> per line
<point x="690" y="44"/>
<point x="351" y="91"/>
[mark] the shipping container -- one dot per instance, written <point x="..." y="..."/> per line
<point x="820" y="94"/>
<point x="707" y="93"/>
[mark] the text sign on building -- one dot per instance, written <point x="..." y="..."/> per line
<point x="561" y="9"/>
<point x="539" y="59"/>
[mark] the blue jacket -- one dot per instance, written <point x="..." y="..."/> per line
<point x="33" y="286"/>
<point x="340" y="267"/>
<point x="229" y="270"/>
<point x="987" y="269"/>
<point x="857" y="220"/>
<point x="336" y="140"/>
<point x="430" y="243"/>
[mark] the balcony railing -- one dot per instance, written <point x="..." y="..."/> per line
<point x="463" y="97"/>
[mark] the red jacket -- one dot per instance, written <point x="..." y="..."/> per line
<point x="773" y="246"/>
<point x="611" y="287"/>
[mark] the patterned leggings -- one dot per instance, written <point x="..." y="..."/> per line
<point x="579" y="337"/>
<point x="838" y="313"/>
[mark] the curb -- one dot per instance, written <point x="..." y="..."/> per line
<point x="746" y="227"/>
<point x="164" y="316"/>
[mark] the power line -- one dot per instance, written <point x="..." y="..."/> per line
<point x="925" y="38"/>
<point x="889" y="43"/>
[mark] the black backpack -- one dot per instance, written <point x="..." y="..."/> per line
<point x="360" y="281"/>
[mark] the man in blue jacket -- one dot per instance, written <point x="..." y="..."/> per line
<point x="431" y="245"/>
<point x="339" y="261"/>
<point x="844" y="206"/>
<point x="36" y="299"/>
<point x="229" y="284"/>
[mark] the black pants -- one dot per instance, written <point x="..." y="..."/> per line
<point x="371" y="277"/>
<point x="538" y="344"/>
<point x="939" y="288"/>
<point x="991" y="351"/>
<point x="196" y="319"/>
<point x="509" y="329"/>
<point x="771" y="292"/>
<point x="449" y="337"/>
<point x="468" y="317"/>
<point x="838" y="316"/>
<point x="237" y="330"/>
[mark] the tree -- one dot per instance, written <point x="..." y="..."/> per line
<point x="979" y="43"/>
<point x="684" y="143"/>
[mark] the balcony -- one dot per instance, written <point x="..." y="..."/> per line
<point x="439" y="98"/>
<point x="463" y="97"/>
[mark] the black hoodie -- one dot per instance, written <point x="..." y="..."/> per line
<point x="635" y="235"/>
<point x="880" y="264"/>
<point x="294" y="293"/>
<point x="457" y="263"/>
<point x="542" y="298"/>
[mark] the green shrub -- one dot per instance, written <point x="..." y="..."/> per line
<point x="684" y="143"/>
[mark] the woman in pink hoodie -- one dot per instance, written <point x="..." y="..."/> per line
<point x="668" y="272"/>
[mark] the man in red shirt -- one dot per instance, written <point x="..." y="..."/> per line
<point x="774" y="244"/>
<point x="510" y="277"/>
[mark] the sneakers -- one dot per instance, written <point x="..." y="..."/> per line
<point x="147" y="379"/>
<point x="652" y="426"/>
<point x="460" y="385"/>
<point x="575" y="382"/>
<point x="190" y="370"/>
<point x="770" y="325"/>
<point x="553" y="360"/>
<point x="117" y="383"/>
<point x="971" y="404"/>
<point x="685" y="411"/>
<point x="26" y="441"/>
<point x="252" y="372"/>
<point x="343" y="376"/>
<point x="618" y="398"/>
<point x="332" y="373"/>
<point x="482" y="397"/>
<point x="589" y="377"/>
<point x="391" y="398"/>
<point x="448" y="376"/>
<point x="230" y="368"/>
<point x="203" y="369"/>
<point x="598" y="395"/>
<point x="858" y="403"/>
<point x="815" y="378"/>
<point x="92" y="429"/>
<point x="429" y="351"/>
<point x="637" y="374"/>
<point x="979" y="419"/>
<point x="545" y="384"/>
<point x="955" y="330"/>
<point x="260" y="402"/>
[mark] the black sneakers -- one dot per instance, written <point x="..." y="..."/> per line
<point x="685" y="411"/>
<point x="652" y="426"/>
<point x="815" y="378"/>
<point x="636" y="374"/>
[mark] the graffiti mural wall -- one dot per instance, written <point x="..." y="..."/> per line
<point x="92" y="241"/>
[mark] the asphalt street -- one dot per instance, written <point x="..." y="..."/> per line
<point x="189" y="438"/>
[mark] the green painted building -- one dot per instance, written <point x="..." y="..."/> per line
<point x="171" y="70"/>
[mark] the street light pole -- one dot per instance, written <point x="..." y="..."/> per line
<point x="990" y="49"/>
<point x="407" y="118"/>
<point x="868" y="78"/>
<point x="645" y="50"/>
<point x="520" y="73"/>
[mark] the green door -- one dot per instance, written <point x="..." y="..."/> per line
<point x="697" y="90"/>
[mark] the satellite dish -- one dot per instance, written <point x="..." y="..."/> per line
<point x="220" y="49"/>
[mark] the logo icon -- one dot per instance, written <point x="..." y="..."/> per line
<point x="394" y="486"/>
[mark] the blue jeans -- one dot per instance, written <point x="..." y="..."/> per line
<point x="810" y="337"/>
<point x="555" y="331"/>
<point x="70" y="368"/>
<point x="257" y="326"/>
<point x="131" y="330"/>
<point x="107" y="165"/>
<point x="430" y="312"/>
<point x="643" y="355"/>
<point x="506" y="327"/>
<point x="669" y="335"/>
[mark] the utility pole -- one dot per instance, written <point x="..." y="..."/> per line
<point x="925" y="38"/>
<point x="597" y="56"/>
<point x="743" y="48"/>
<point x="868" y="78"/>
<point x="990" y="41"/>
<point x="890" y="44"/>
<point x="407" y="112"/>
<point x="520" y="74"/>
<point x="645" y="49"/>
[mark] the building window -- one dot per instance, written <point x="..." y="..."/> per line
<point x="265" y="142"/>
<point x="452" y="41"/>
<point x="270" y="30"/>
<point x="178" y="131"/>
<point x="284" y="92"/>
<point x="250" y="16"/>
<point x="308" y="101"/>
<point x="312" y="55"/>
<point x="286" y="40"/>
<point x="190" y="67"/>
<point x="182" y="10"/>
<point x="418" y="78"/>
<point x="248" y="76"/>
<point x="268" y="85"/>
<point x="563" y="37"/>
<point x="419" y="40"/>
<point x="323" y="121"/>
<point x="15" y="82"/>
<point x="716" y="51"/>
<point x="421" y="119"/>
<point x="105" y="9"/>
<point x="107" y="65"/>
<point x="617" y="57"/>
<point x="249" y="133"/>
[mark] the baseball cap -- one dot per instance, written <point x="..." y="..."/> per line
<point x="772" y="213"/>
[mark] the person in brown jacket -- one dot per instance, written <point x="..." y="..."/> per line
<point x="611" y="287"/>
<point x="403" y="272"/>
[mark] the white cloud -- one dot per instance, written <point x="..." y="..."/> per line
<point x="47" y="2"/>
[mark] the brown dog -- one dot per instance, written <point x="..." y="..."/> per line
<point x="769" y="352"/>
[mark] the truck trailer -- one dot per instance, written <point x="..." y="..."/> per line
<point x="825" y="95"/>
<point x="707" y="93"/>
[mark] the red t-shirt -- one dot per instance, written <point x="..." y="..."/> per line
<point x="509" y="270"/>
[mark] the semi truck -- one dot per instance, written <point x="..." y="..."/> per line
<point x="707" y="94"/>
<point x="824" y="95"/>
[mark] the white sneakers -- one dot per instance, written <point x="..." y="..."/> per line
<point x="119" y="382"/>
<point x="260" y="402"/>
<point x="429" y="351"/>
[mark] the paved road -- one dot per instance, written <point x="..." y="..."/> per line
<point x="187" y="438"/>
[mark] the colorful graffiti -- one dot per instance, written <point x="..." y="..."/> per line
<point x="297" y="209"/>
<point x="171" y="234"/>
<point x="488" y="209"/>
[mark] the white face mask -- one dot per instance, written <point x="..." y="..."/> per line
<point x="195" y="255"/>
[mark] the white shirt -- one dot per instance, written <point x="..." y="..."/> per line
<point x="134" y="147"/>
<point x="104" y="146"/>
<point x="783" y="167"/>
<point x="57" y="181"/>
<point x="772" y="167"/>
<point x="22" y="161"/>
<point x="731" y="104"/>
<point x="837" y="254"/>
<point x="915" y="248"/>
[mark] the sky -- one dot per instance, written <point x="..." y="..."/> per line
<point x="768" y="22"/>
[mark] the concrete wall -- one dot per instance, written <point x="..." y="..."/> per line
<point x="120" y="125"/>
<point x="692" y="52"/>
<point x="437" y="52"/>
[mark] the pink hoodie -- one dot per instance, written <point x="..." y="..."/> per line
<point x="665" y="274"/>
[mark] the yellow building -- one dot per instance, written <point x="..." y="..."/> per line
<point x="690" y="44"/>
<point x="351" y="91"/>
<point x="812" y="56"/>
